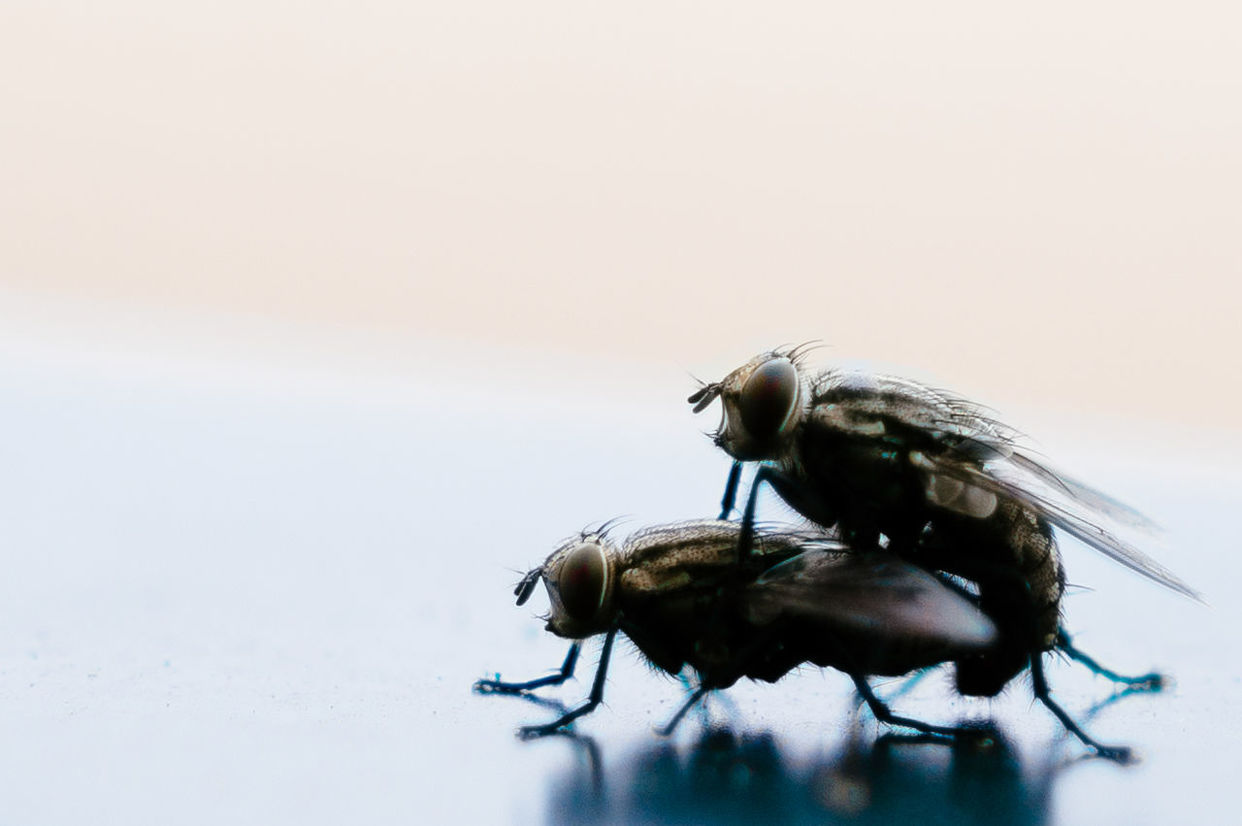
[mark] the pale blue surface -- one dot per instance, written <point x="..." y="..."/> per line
<point x="267" y="604"/>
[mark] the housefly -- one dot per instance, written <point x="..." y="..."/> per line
<point x="931" y="478"/>
<point x="680" y="593"/>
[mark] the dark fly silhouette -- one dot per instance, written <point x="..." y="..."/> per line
<point x="932" y="479"/>
<point x="681" y="594"/>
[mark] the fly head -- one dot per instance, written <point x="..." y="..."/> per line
<point x="762" y="404"/>
<point x="580" y="577"/>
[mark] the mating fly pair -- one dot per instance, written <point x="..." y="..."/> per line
<point x="914" y="483"/>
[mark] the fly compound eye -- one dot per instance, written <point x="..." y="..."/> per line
<point x="583" y="581"/>
<point x="768" y="398"/>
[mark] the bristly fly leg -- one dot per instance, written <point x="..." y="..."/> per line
<point x="1143" y="682"/>
<point x="594" y="699"/>
<point x="567" y="671"/>
<point x="669" y="727"/>
<point x="885" y="715"/>
<point x="730" y="492"/>
<point x="1119" y="754"/>
<point x="908" y="684"/>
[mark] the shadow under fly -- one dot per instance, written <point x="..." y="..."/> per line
<point x="901" y="468"/>
<point x="681" y="595"/>
<point x="723" y="777"/>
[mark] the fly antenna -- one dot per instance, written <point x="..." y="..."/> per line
<point x="527" y="585"/>
<point x="704" y="396"/>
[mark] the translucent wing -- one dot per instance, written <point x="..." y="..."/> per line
<point x="953" y="439"/>
<point x="1087" y="497"/>
<point x="874" y="593"/>
<point x="1072" y="514"/>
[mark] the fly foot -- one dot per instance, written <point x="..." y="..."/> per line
<point x="1121" y="755"/>
<point x="497" y="687"/>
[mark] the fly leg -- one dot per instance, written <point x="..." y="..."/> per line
<point x="885" y="715"/>
<point x="567" y="671"/>
<point x="1120" y="754"/>
<point x="595" y="698"/>
<point x="909" y="684"/>
<point x="668" y="728"/>
<point x="745" y="654"/>
<point x="1143" y="682"/>
<point x="788" y="489"/>
<point x="730" y="492"/>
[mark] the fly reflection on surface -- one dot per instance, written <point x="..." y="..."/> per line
<point x="729" y="778"/>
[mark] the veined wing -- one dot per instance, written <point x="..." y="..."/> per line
<point x="1067" y="504"/>
<point x="1083" y="494"/>
<point x="875" y="593"/>
<point x="951" y="438"/>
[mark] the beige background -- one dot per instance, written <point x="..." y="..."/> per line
<point x="1039" y="205"/>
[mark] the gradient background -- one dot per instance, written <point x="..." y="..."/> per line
<point x="455" y="260"/>
<point x="1042" y="204"/>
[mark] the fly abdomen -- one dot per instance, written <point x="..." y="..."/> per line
<point x="1012" y="558"/>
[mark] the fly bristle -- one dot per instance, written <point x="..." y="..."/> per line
<point x="799" y="352"/>
<point x="601" y="530"/>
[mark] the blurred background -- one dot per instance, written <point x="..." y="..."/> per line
<point x="317" y="318"/>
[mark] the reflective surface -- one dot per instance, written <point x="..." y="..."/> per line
<point x="725" y="778"/>
<point x="268" y="601"/>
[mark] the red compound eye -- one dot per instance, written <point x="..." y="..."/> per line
<point x="768" y="398"/>
<point x="581" y="581"/>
